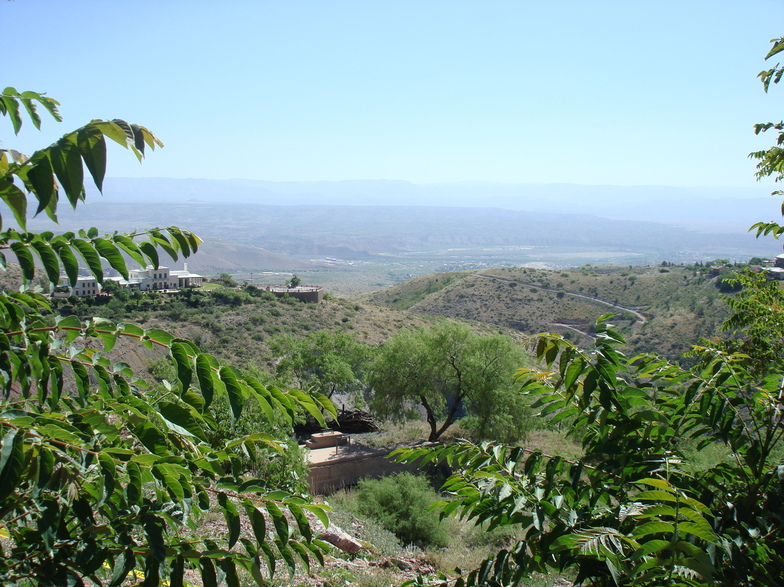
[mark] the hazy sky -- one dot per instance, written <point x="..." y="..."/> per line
<point x="604" y="92"/>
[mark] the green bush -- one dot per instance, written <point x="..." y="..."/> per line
<point x="285" y="469"/>
<point x="401" y="504"/>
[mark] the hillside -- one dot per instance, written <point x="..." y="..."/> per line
<point x="237" y="326"/>
<point x="663" y="310"/>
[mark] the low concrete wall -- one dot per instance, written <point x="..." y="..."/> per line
<point x="307" y="293"/>
<point x="335" y="474"/>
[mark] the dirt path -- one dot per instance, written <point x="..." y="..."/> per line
<point x="639" y="317"/>
<point x="578" y="331"/>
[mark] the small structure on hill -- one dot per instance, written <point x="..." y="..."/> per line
<point x="306" y="293"/>
<point x="777" y="271"/>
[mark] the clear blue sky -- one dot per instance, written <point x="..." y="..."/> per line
<point x="603" y="92"/>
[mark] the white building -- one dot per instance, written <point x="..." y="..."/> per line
<point x="148" y="279"/>
<point x="85" y="286"/>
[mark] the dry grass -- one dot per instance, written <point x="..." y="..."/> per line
<point x="554" y="443"/>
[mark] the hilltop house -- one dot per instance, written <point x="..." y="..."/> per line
<point x="777" y="271"/>
<point x="148" y="279"/>
<point x="161" y="278"/>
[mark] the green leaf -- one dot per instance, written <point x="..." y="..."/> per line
<point x="159" y="240"/>
<point x="133" y="489"/>
<point x="182" y="420"/>
<point x="656" y="495"/>
<point x="306" y="402"/>
<point x="130" y="247"/>
<point x="70" y="264"/>
<point x="40" y="178"/>
<point x="123" y="564"/>
<point x="90" y="257"/>
<point x="262" y="437"/>
<point x="112" y="130"/>
<point x="32" y="110"/>
<point x="655" y="527"/>
<point x="25" y="260"/>
<point x="12" y="108"/>
<point x="15" y="199"/>
<point x="181" y="241"/>
<point x="234" y="390"/>
<point x="279" y="521"/>
<point x="288" y="558"/>
<point x="180" y="354"/>
<point x="150" y="437"/>
<point x="658" y="483"/>
<point x="153" y="529"/>
<point x="573" y="371"/>
<point x="82" y="378"/>
<point x="700" y="531"/>
<point x="318" y="511"/>
<point x="67" y="166"/>
<point x="205" y="373"/>
<point x="150" y="252"/>
<point x="269" y="556"/>
<point x="302" y="521"/>
<point x="159" y="336"/>
<point x="11" y="461"/>
<point x="232" y="518"/>
<point x="111" y="253"/>
<point x="70" y="325"/>
<point x="92" y="147"/>
<point x="177" y="573"/>
<point x="257" y="522"/>
<point x="48" y="260"/>
<point x="303" y="553"/>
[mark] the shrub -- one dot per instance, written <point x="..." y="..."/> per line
<point x="401" y="504"/>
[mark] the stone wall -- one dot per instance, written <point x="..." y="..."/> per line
<point x="336" y="474"/>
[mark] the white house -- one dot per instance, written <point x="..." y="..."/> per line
<point x="85" y="286"/>
<point x="161" y="278"/>
<point x="148" y="279"/>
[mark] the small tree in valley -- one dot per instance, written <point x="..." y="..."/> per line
<point x="450" y="371"/>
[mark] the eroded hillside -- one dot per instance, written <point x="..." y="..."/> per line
<point x="659" y="309"/>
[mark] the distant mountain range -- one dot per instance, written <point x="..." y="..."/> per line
<point x="270" y="226"/>
<point x="702" y="208"/>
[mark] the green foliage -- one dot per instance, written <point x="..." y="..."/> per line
<point x="757" y="322"/>
<point x="770" y="162"/>
<point x="728" y="283"/>
<point x="401" y="504"/>
<point x="99" y="475"/>
<point x="330" y="362"/>
<point x="505" y="416"/>
<point x="276" y="469"/>
<point x="447" y="369"/>
<point x="635" y="517"/>
<point x="59" y="170"/>
<point x="225" y="279"/>
<point x="294" y="281"/>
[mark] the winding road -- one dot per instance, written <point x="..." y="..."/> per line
<point x="639" y="317"/>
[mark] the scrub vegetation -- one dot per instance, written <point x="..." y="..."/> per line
<point x="132" y="450"/>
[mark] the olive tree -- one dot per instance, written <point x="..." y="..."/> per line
<point x="449" y="371"/>
<point x="100" y="479"/>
